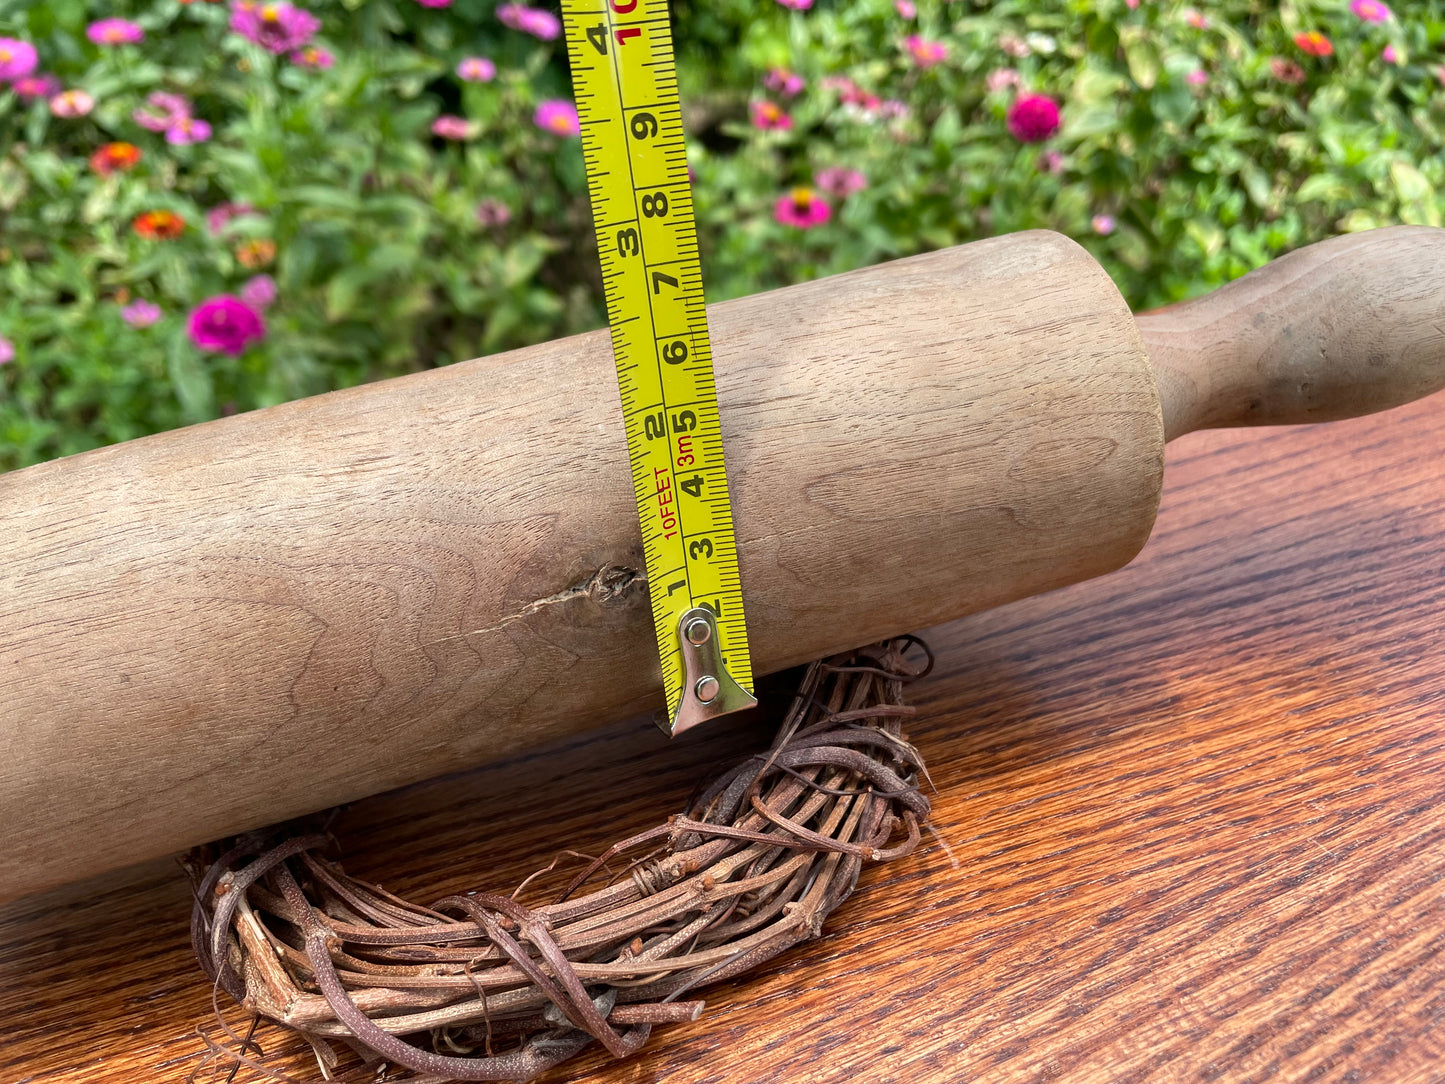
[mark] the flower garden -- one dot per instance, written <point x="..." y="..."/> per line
<point x="210" y="207"/>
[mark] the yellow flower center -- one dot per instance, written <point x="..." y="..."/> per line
<point x="270" y="14"/>
<point x="560" y="123"/>
<point x="6" y="56"/>
<point x="802" y="199"/>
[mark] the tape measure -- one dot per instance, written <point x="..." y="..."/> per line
<point x="625" y="85"/>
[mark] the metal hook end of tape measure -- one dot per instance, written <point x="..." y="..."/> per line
<point x="708" y="690"/>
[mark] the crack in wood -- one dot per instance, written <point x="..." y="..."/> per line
<point x="607" y="583"/>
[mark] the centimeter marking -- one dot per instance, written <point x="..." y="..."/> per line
<point x="625" y="86"/>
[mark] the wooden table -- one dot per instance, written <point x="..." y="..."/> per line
<point x="1195" y="810"/>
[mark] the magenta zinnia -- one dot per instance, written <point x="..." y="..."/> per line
<point x="781" y="81"/>
<point x="767" y="115"/>
<point x="313" y="56"/>
<point x="225" y="324"/>
<point x="476" y="69"/>
<point x="803" y="208"/>
<point x="166" y="109"/>
<point x="183" y="130"/>
<point x="17" y="59"/>
<point x="1372" y="11"/>
<point x="540" y="24"/>
<point x="141" y="313"/>
<point x="558" y="117"/>
<point x="115" y="32"/>
<point x="1033" y="118"/>
<point x="493" y="212"/>
<point x="35" y="86"/>
<point x="925" y="53"/>
<point x="71" y="103"/>
<point x="839" y="182"/>
<point x="450" y="126"/>
<point x="277" y="28"/>
<point x="259" y="292"/>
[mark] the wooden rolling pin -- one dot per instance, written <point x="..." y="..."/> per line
<point x="219" y="627"/>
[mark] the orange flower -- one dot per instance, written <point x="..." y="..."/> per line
<point x="113" y="157"/>
<point x="257" y="252"/>
<point x="1314" y="43"/>
<point x="159" y="225"/>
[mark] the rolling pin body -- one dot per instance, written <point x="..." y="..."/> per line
<point x="212" y="629"/>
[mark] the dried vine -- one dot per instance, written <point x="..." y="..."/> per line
<point x="492" y="989"/>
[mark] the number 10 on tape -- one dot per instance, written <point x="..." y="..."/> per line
<point x="625" y="84"/>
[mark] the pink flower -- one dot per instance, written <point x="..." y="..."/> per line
<point x="1051" y="162"/>
<point x="839" y="182"/>
<point x="797" y="5"/>
<point x="1372" y="11"/>
<point x="36" y="86"/>
<point x="141" y="313"/>
<point x="925" y="53"/>
<point x="1197" y="78"/>
<point x="449" y="126"/>
<point x="781" y="81"/>
<point x="168" y="108"/>
<point x="1033" y="118"/>
<point x="277" y="28"/>
<point x="767" y="115"/>
<point x="184" y="130"/>
<point x="892" y="107"/>
<point x="493" y="212"/>
<point x="1002" y="78"/>
<point x="72" y="103"/>
<point x="1286" y="71"/>
<point x="17" y="59"/>
<point x="558" y="117"/>
<point x="540" y="24"/>
<point x="7" y="350"/>
<point x="803" y="208"/>
<point x="313" y="56"/>
<point x="225" y="324"/>
<point x="1013" y="45"/>
<point x="1196" y="19"/>
<point x="221" y="214"/>
<point x="1391" y="55"/>
<point x="115" y="32"/>
<point x="907" y="8"/>
<point x="476" y="69"/>
<point x="259" y="292"/>
<point x="1103" y="224"/>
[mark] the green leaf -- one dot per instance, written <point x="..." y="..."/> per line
<point x="191" y="379"/>
<point x="1141" y="55"/>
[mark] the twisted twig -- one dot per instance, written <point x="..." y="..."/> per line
<point x="490" y="989"/>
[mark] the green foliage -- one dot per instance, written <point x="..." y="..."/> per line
<point x="382" y="265"/>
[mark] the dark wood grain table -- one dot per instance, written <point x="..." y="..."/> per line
<point x="1196" y="811"/>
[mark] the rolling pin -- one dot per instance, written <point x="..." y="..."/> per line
<point x="238" y="622"/>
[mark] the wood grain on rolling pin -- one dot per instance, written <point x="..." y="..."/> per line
<point x="216" y="628"/>
<point x="1196" y="808"/>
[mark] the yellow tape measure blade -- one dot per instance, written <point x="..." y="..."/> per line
<point x="625" y="85"/>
